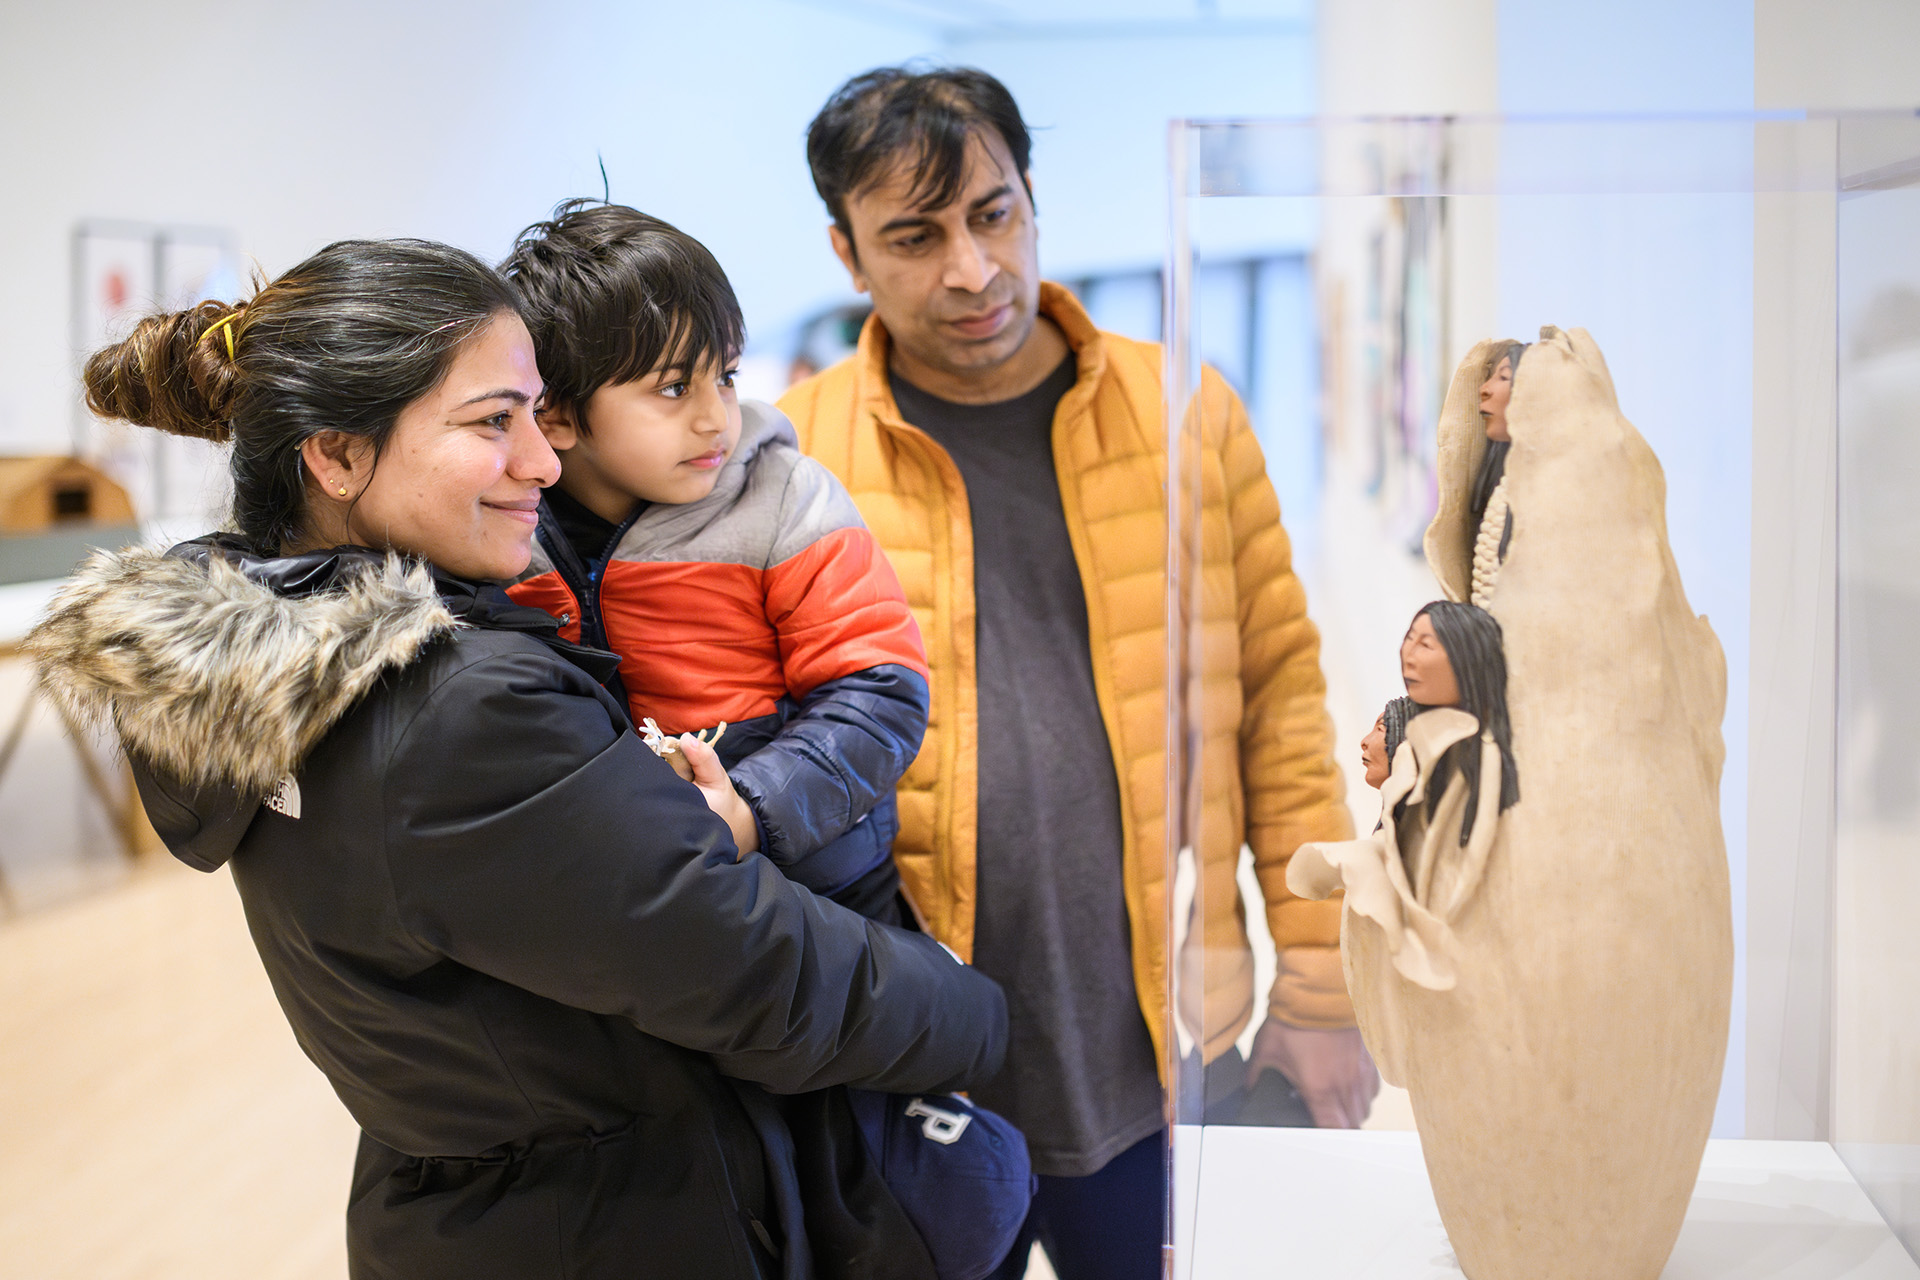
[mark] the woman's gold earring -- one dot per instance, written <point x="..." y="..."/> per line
<point x="343" y="491"/>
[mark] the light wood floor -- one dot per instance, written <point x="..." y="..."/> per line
<point x="156" y="1118"/>
<point x="157" y="1121"/>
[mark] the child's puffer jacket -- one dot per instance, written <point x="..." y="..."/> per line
<point x="767" y="605"/>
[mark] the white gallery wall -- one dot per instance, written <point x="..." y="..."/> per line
<point x="1099" y="102"/>
<point x="295" y="124"/>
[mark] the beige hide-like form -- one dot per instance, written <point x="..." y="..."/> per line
<point x="1561" y="1027"/>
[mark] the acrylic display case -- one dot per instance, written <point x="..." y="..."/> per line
<point x="1754" y="284"/>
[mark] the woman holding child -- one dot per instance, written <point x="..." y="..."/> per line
<point x="529" y="958"/>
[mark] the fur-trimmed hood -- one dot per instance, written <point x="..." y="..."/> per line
<point x="224" y="669"/>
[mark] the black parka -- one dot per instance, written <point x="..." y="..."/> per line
<point x="522" y="950"/>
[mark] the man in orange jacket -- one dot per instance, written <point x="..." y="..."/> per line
<point x="1010" y="458"/>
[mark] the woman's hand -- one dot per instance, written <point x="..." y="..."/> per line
<point x="717" y="788"/>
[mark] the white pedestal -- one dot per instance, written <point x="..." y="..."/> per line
<point x="1308" y="1204"/>
<point x="21" y="604"/>
<point x="57" y="838"/>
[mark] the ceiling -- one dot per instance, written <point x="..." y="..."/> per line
<point x="961" y="19"/>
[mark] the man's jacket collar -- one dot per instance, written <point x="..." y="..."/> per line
<point x="1057" y="303"/>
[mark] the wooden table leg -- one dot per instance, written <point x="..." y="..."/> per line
<point x="117" y="807"/>
<point x="15" y="733"/>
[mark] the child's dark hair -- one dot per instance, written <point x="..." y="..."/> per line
<point x="343" y="342"/>
<point x="613" y="294"/>
<point x="924" y="117"/>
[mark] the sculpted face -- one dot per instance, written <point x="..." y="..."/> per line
<point x="1494" y="394"/>
<point x="1373" y="754"/>
<point x="1425" y="667"/>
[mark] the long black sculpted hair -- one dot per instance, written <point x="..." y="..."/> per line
<point x="1475" y="649"/>
<point x="1393" y="724"/>
<point x="1493" y="464"/>
<point x="1393" y="720"/>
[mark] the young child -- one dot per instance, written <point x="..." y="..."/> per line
<point x="749" y="604"/>
<point x="730" y="572"/>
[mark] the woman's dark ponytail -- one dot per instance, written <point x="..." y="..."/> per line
<point x="343" y="342"/>
<point x="172" y="373"/>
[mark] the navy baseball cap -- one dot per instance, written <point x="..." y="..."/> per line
<point x="959" y="1171"/>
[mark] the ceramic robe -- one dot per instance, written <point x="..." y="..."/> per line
<point x="1554" y="994"/>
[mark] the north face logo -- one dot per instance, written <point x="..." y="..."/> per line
<point x="285" y="798"/>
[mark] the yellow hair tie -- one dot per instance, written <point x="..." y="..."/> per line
<point x="226" y="327"/>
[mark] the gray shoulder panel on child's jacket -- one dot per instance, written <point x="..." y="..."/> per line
<point x="770" y="503"/>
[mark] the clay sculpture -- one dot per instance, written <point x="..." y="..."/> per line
<point x="1554" y="991"/>
<point x="1489" y="503"/>
<point x="1388" y="732"/>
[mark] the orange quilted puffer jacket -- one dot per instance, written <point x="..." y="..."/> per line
<point x="1269" y="779"/>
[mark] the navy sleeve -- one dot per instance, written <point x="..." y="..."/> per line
<point x="531" y="838"/>
<point x="840" y="755"/>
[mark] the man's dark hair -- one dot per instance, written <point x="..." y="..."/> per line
<point x="927" y="117"/>
<point x="612" y="294"/>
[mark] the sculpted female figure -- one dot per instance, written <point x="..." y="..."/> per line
<point x="1388" y="732"/>
<point x="1441" y="797"/>
<point x="1488" y="504"/>
<point x="1552" y="987"/>
<point x="525" y="954"/>
<point x="1451" y="659"/>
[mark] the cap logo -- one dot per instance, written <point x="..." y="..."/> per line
<point x="939" y="1124"/>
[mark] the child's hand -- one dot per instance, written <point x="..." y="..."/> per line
<point x="717" y="788"/>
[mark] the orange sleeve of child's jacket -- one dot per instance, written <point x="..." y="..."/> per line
<point x="832" y="597"/>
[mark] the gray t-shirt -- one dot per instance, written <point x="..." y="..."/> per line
<point x="1051" y="923"/>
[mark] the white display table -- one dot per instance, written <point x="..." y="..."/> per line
<point x="1308" y="1204"/>
<point x="21" y="604"/>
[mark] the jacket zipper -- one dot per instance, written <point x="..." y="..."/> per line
<point x="585" y="581"/>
